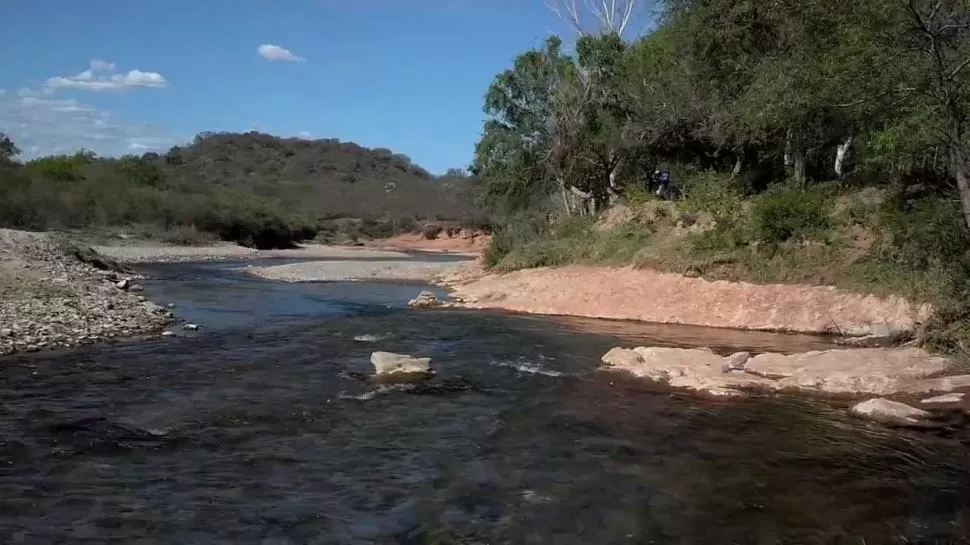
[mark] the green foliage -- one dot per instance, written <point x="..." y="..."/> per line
<point x="8" y="150"/>
<point x="735" y="99"/>
<point x="714" y="194"/>
<point x="526" y="244"/>
<point x="790" y="214"/>
<point x="221" y="188"/>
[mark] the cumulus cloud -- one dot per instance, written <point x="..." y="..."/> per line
<point x="274" y="53"/>
<point x="42" y="125"/>
<point x="101" y="76"/>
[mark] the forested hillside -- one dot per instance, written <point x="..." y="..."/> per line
<point x="822" y="141"/>
<point x="321" y="177"/>
<point x="253" y="188"/>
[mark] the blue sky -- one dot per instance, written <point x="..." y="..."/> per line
<point x="122" y="76"/>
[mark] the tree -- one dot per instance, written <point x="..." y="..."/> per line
<point x="8" y="150"/>
<point x="940" y="33"/>
<point x="609" y="16"/>
<point x="522" y="135"/>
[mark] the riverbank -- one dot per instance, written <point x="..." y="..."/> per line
<point x="353" y="269"/>
<point x="54" y="294"/>
<point x="627" y="293"/>
<point x="139" y="251"/>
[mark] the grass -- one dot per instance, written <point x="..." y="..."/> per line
<point x="568" y="240"/>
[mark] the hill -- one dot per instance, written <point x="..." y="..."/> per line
<point x="320" y="177"/>
<point x="254" y="188"/>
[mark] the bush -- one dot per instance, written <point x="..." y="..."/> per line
<point x="515" y="233"/>
<point x="373" y="228"/>
<point x="790" y="214"/>
<point x="431" y="231"/>
<point x="187" y="235"/>
<point x="528" y="243"/>
<point x="714" y="194"/>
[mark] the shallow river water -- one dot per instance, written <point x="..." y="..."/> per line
<point x="259" y="429"/>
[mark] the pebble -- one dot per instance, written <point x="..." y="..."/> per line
<point x="44" y="313"/>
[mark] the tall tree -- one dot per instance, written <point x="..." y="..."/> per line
<point x="940" y="32"/>
<point x="8" y="150"/>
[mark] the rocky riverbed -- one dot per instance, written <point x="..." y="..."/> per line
<point x="352" y="269"/>
<point x="56" y="294"/>
<point x="139" y="251"/>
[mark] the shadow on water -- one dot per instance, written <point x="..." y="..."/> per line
<point x="257" y="431"/>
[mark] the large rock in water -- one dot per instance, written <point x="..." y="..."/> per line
<point x="425" y="299"/>
<point x="877" y="371"/>
<point x="698" y="369"/>
<point x="890" y="412"/>
<point x="400" y="366"/>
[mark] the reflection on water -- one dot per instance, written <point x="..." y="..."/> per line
<point x="631" y="333"/>
<point x="257" y="431"/>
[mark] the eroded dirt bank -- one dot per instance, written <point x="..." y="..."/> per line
<point x="464" y="241"/>
<point x="636" y="294"/>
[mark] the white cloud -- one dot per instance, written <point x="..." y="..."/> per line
<point x="99" y="65"/>
<point x="100" y="76"/>
<point x="31" y="102"/>
<point x="42" y="125"/>
<point x="276" y="53"/>
<point x="304" y="134"/>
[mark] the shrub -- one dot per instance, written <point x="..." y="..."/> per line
<point x="515" y="233"/>
<point x="187" y="235"/>
<point x="788" y="213"/>
<point x="714" y="194"/>
<point x="431" y="231"/>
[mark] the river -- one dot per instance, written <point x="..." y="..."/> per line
<point x="259" y="429"/>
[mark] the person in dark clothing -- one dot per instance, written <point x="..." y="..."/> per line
<point x="662" y="179"/>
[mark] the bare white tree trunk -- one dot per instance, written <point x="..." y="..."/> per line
<point x="585" y="200"/>
<point x="961" y="171"/>
<point x="610" y="15"/>
<point x="565" y="196"/>
<point x="788" y="144"/>
<point x="797" y="158"/>
<point x="738" y="164"/>
<point x="614" y="189"/>
<point x="840" y="152"/>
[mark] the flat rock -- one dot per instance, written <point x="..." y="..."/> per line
<point x="954" y="397"/>
<point x="699" y="369"/>
<point x="389" y="363"/>
<point x="886" y="411"/>
<point x="736" y="361"/>
<point x="879" y="371"/>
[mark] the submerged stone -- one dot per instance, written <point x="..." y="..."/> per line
<point x="425" y="299"/>
<point x="886" y="411"/>
<point x="400" y="366"/>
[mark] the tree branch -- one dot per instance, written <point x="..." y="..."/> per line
<point x="956" y="71"/>
<point x="612" y="15"/>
